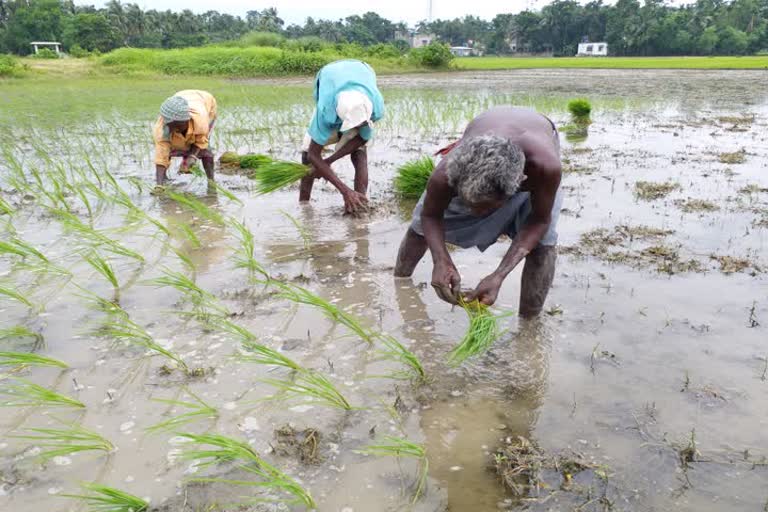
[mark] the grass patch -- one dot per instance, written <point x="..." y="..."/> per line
<point x="649" y="190"/>
<point x="412" y="177"/>
<point x="737" y="157"/>
<point x="489" y="63"/>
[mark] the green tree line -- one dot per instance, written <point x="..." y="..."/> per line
<point x="630" y="27"/>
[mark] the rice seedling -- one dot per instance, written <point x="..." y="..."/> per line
<point x="253" y="161"/>
<point x="310" y="387"/>
<point x="400" y="447"/>
<point x="412" y="177"/>
<point x="580" y="109"/>
<point x="185" y="259"/>
<point x="60" y="442"/>
<point x="101" y="498"/>
<point x="73" y="224"/>
<point x="482" y="332"/>
<point x="305" y="236"/>
<point x="125" y="330"/>
<point x="196" y="206"/>
<point x="261" y="354"/>
<point x="5" y="207"/>
<point x="244" y="254"/>
<point x="18" y="247"/>
<point x="394" y="351"/>
<point x="24" y="359"/>
<point x="23" y="393"/>
<point x="229" y="159"/>
<point x="197" y="410"/>
<point x="103" y="267"/>
<point x="188" y="233"/>
<point x="204" y="303"/>
<point x="226" y="193"/>
<point x="300" y="295"/>
<point x="20" y="332"/>
<point x="14" y="294"/>
<point x="225" y="449"/>
<point x="278" y="175"/>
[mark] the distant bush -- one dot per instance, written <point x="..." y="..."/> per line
<point x="45" y="53"/>
<point x="9" y="66"/>
<point x="307" y="44"/>
<point x="268" y="39"/>
<point x="434" y="55"/>
<point x="79" y="53"/>
<point x="384" y="51"/>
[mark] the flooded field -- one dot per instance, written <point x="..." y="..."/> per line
<point x="642" y="388"/>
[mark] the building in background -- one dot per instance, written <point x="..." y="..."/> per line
<point x="587" y="49"/>
<point x="415" y="39"/>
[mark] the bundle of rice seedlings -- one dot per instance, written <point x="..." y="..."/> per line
<point x="223" y="449"/>
<point x="580" y="109"/>
<point x="400" y="447"/>
<point x="108" y="499"/>
<point x="197" y="410"/>
<point x="300" y="295"/>
<point x="26" y="359"/>
<point x="310" y="387"/>
<point x="277" y="175"/>
<point x="394" y="351"/>
<point x="482" y="332"/>
<point x="412" y="177"/>
<point x="229" y="159"/>
<point x="60" y="442"/>
<point x="23" y="393"/>
<point x="254" y="161"/>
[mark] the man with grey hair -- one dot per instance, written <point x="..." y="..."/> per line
<point x="501" y="177"/>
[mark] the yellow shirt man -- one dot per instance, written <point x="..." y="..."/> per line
<point x="182" y="130"/>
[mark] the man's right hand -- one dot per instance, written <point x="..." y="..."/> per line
<point x="447" y="282"/>
<point x="354" y="202"/>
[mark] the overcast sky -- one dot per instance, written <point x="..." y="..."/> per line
<point x="296" y="11"/>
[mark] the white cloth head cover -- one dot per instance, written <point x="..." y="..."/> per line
<point x="354" y="109"/>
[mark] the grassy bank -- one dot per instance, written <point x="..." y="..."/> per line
<point x="489" y="63"/>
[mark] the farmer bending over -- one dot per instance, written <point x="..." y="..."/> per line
<point x="501" y="177"/>
<point x="347" y="103"/>
<point x="183" y="129"/>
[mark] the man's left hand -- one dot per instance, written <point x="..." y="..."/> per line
<point x="487" y="291"/>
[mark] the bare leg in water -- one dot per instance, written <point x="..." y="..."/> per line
<point x="412" y="249"/>
<point x="538" y="273"/>
<point x="305" y="187"/>
<point x="360" y="162"/>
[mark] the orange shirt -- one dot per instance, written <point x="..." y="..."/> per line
<point x="202" y="108"/>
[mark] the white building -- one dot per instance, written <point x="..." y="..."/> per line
<point x="466" y="51"/>
<point x="592" y="50"/>
<point x="416" y="39"/>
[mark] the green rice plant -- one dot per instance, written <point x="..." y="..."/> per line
<point x="400" y="447"/>
<point x="299" y="295"/>
<point x="198" y="207"/>
<point x="226" y="193"/>
<point x="185" y="259"/>
<point x="20" y="331"/>
<point x="197" y="410"/>
<point x="23" y="393"/>
<point x="261" y="354"/>
<point x="125" y="330"/>
<point x="482" y="332"/>
<point x="27" y="359"/>
<point x="254" y="161"/>
<point x="106" y="306"/>
<point x="103" y="267"/>
<point x="188" y="233"/>
<point x="101" y="498"/>
<point x="305" y="236"/>
<point x="278" y="175"/>
<point x="204" y="303"/>
<point x="5" y="207"/>
<point x="225" y="449"/>
<point x="244" y="255"/>
<point x="229" y="159"/>
<point x="393" y="350"/>
<point x="13" y="293"/>
<point x="580" y="109"/>
<point x="310" y="387"/>
<point x="60" y="442"/>
<point x="73" y="224"/>
<point x="412" y="177"/>
<point x="18" y="247"/>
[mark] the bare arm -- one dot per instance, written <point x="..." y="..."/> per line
<point x="445" y="278"/>
<point x="353" y="201"/>
<point x="350" y="147"/>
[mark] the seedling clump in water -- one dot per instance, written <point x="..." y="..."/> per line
<point x="482" y="332"/>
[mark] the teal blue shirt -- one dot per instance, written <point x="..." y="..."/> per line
<point x="336" y="77"/>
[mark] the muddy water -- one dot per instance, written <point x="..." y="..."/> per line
<point x="628" y="362"/>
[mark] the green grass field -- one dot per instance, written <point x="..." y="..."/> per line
<point x="489" y="63"/>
